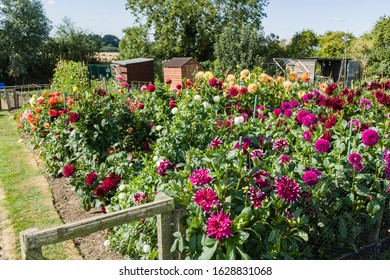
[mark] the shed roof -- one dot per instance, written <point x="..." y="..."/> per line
<point x="178" y="61"/>
<point x="132" y="61"/>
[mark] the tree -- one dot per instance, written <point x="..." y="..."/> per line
<point x="379" y="57"/>
<point x="360" y="49"/>
<point x="191" y="27"/>
<point x="109" y="39"/>
<point x="334" y="43"/>
<point x="72" y="43"/>
<point x="239" y="46"/>
<point x="135" y="43"/>
<point x="24" y="35"/>
<point x="303" y="44"/>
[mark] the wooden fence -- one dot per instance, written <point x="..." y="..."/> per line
<point x="10" y="96"/>
<point x="169" y="220"/>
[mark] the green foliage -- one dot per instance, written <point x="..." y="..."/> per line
<point x="75" y="44"/>
<point x="334" y="43"/>
<point x="187" y="28"/>
<point x="239" y="46"/>
<point x="24" y="32"/>
<point x="378" y="61"/>
<point x="69" y="75"/>
<point x="303" y="44"/>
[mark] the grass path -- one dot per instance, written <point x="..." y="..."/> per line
<point x="25" y="196"/>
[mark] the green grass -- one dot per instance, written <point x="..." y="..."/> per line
<point x="28" y="198"/>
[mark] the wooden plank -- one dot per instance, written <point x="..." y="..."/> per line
<point x="28" y="253"/>
<point x="164" y="235"/>
<point x="37" y="239"/>
<point x="178" y="226"/>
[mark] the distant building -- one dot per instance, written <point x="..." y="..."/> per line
<point x="179" y="68"/>
<point x="134" y="71"/>
<point x="319" y="68"/>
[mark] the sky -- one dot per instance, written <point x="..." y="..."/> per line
<point x="284" y="17"/>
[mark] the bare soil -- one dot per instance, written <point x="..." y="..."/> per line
<point x="68" y="205"/>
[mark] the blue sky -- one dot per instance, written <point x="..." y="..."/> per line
<point x="284" y="17"/>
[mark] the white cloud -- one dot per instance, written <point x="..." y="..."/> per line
<point x="51" y="2"/>
<point x="337" y="19"/>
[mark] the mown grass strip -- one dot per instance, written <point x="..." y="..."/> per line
<point x="28" y="198"/>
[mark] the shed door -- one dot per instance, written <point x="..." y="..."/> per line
<point x="191" y="69"/>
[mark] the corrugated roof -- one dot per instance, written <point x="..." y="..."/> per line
<point x="132" y="61"/>
<point x="177" y="61"/>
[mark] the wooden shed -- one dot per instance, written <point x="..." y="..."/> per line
<point x="179" y="68"/>
<point x="134" y="70"/>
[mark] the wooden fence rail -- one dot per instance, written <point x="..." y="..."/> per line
<point x="168" y="221"/>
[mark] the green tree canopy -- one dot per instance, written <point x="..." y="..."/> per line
<point x="73" y="43"/>
<point x="303" y="44"/>
<point x="379" y="57"/>
<point x="24" y="32"/>
<point x="191" y="27"/>
<point x="334" y="43"/>
<point x="239" y="47"/>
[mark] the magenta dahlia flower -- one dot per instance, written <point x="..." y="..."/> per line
<point x="140" y="198"/>
<point x="277" y="112"/>
<point x="257" y="197"/>
<point x="365" y="103"/>
<point x="288" y="113"/>
<point x="322" y="145"/>
<point x="245" y="144"/>
<point x="358" y="167"/>
<point x="151" y="88"/>
<point x="200" y="177"/>
<point x="310" y="178"/>
<point x="284" y="159"/>
<point x="258" y="153"/>
<point x="110" y="182"/>
<point x="287" y="188"/>
<point x="218" y="226"/>
<point x="164" y="166"/>
<point x="74" y="117"/>
<point x="69" y="170"/>
<point x="215" y="143"/>
<point x="280" y="144"/>
<point x="355" y="158"/>
<point x="307" y="135"/>
<point x="285" y="105"/>
<point x="91" y="178"/>
<point x="206" y="198"/>
<point x="370" y="137"/>
<point x="309" y="120"/>
<point x="294" y="104"/>
<point x="301" y="114"/>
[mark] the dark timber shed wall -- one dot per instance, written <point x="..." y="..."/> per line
<point x="179" y="68"/>
<point x="136" y="70"/>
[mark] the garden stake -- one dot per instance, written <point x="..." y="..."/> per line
<point x="350" y="135"/>
<point x="64" y="100"/>
<point x="254" y="108"/>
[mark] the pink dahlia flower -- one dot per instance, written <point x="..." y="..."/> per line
<point x="200" y="177"/>
<point x="287" y="188"/>
<point x="310" y="178"/>
<point x="370" y="137"/>
<point x="69" y="170"/>
<point x="206" y="198"/>
<point x="218" y="226"/>
<point x="322" y="145"/>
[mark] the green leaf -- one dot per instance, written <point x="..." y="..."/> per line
<point x="343" y="230"/>
<point x="208" y="251"/>
<point x="373" y="207"/>
<point x="193" y="243"/>
<point x="230" y="254"/>
<point x="303" y="235"/>
<point x="208" y="241"/>
<point x="362" y="190"/>
<point x="245" y="216"/>
<point x="177" y="234"/>
<point x="243" y="255"/>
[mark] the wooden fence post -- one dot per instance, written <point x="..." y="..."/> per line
<point x="178" y="226"/>
<point x="164" y="232"/>
<point x="27" y="252"/>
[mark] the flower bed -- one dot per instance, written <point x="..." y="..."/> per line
<point x="265" y="169"/>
